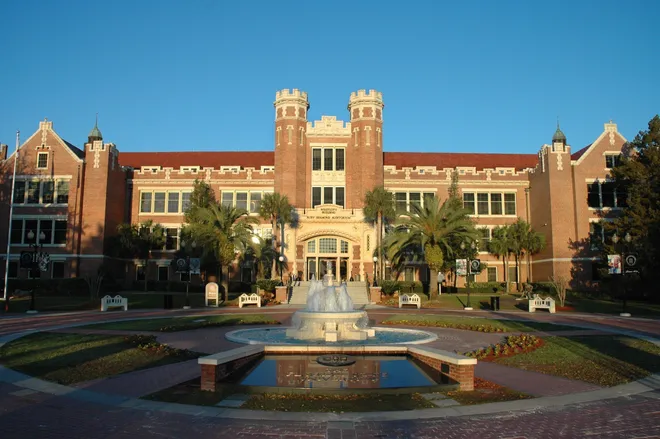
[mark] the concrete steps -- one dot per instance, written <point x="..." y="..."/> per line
<point x="356" y="290"/>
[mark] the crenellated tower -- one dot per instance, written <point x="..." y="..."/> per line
<point x="364" y="157"/>
<point x="290" y="144"/>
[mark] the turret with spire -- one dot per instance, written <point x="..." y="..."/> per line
<point x="559" y="137"/>
<point x="95" y="134"/>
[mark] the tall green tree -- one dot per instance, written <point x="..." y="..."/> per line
<point x="201" y="197"/>
<point x="276" y="209"/>
<point x="500" y="247"/>
<point x="138" y="241"/>
<point x="224" y="231"/>
<point x="379" y="209"/>
<point x="433" y="228"/>
<point x="523" y="242"/>
<point x="637" y="181"/>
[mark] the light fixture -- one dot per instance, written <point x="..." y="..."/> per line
<point x="375" y="258"/>
<point x="30" y="235"/>
<point x="628" y="238"/>
<point x="615" y="238"/>
<point x="462" y="246"/>
<point x="255" y="239"/>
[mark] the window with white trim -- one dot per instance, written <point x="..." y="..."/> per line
<point x="248" y="200"/>
<point x="164" y="202"/>
<point x="404" y="201"/>
<point x="328" y="195"/>
<point x="612" y="160"/>
<point x="604" y="194"/>
<point x="490" y="203"/>
<point x="42" y="160"/>
<point x="54" y="231"/>
<point x="328" y="159"/>
<point x="492" y="274"/>
<point x="41" y="192"/>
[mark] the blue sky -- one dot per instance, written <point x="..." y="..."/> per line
<point x="481" y="76"/>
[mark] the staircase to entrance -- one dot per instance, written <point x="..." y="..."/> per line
<point x="356" y="290"/>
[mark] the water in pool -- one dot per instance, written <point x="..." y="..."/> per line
<point x="368" y="372"/>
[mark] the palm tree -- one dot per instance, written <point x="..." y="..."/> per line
<point x="222" y="231"/>
<point x="138" y="240"/>
<point x="276" y="209"/>
<point x="500" y="247"/>
<point x="531" y="243"/>
<point x="379" y="209"/>
<point x="433" y="228"/>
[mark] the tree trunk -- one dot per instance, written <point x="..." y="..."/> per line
<point x="505" y="259"/>
<point x="224" y="272"/>
<point x="433" y="290"/>
<point x="379" y="238"/>
<point x="517" y="259"/>
<point x="529" y="267"/>
<point x="273" y="269"/>
<point x="146" y="273"/>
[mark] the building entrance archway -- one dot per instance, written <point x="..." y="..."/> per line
<point x="326" y="253"/>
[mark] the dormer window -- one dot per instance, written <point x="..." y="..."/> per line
<point x="612" y="160"/>
<point x="42" y="160"/>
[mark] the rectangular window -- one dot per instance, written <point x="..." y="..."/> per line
<point x="19" y="192"/>
<point x="428" y="196"/>
<point x="344" y="246"/>
<point x="228" y="199"/>
<point x="482" y="203"/>
<point x="496" y="204"/>
<point x="327" y="159"/>
<point x="145" y="202"/>
<point x="484" y="238"/>
<point x="159" y="202"/>
<point x="48" y="192"/>
<point x="62" y="192"/>
<point x="171" y="239"/>
<point x="316" y="196"/>
<point x="509" y="204"/>
<point x="492" y="274"/>
<point x="596" y="236"/>
<point x="612" y="161"/>
<point x="17" y="231"/>
<point x="339" y="196"/>
<point x="327" y="245"/>
<point x="59" y="234"/>
<point x="468" y="203"/>
<point x="242" y="200"/>
<point x="513" y="274"/>
<point x="328" y="193"/>
<point x="607" y="194"/>
<point x="33" y="192"/>
<point x="311" y="246"/>
<point x="339" y="159"/>
<point x="316" y="159"/>
<point x="172" y="202"/>
<point x="46" y="227"/>
<point x="401" y="202"/>
<point x="57" y="270"/>
<point x="42" y="160"/>
<point x="593" y="194"/>
<point x="415" y="200"/>
<point x="185" y="201"/>
<point x="255" y="202"/>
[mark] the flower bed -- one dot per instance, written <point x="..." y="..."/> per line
<point x="512" y="345"/>
<point x="148" y="343"/>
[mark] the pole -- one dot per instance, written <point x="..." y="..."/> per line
<point x="467" y="281"/>
<point x="11" y="216"/>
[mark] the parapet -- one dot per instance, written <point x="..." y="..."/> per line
<point x="366" y="94"/>
<point x="290" y="94"/>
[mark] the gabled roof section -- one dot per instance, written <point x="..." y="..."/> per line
<point x="454" y="160"/>
<point x="610" y="129"/>
<point x="74" y="149"/>
<point x="577" y="154"/>
<point x="203" y="159"/>
<point x="46" y="127"/>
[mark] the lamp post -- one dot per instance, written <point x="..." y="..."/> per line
<point x="628" y="239"/>
<point x="281" y="259"/>
<point x="34" y="265"/>
<point x="375" y="263"/>
<point x="473" y="246"/>
<point x="192" y="248"/>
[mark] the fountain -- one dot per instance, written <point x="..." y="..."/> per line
<point x="329" y="314"/>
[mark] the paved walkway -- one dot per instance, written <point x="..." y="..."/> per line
<point x="109" y="408"/>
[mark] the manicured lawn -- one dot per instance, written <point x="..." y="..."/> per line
<point x="458" y="301"/>
<point x="74" y="358"/>
<point x="473" y="324"/>
<point x="603" y="360"/>
<point x="173" y="324"/>
<point x="614" y="307"/>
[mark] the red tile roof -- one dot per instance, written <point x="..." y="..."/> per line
<point x="577" y="154"/>
<point x="452" y="160"/>
<point x="213" y="159"/>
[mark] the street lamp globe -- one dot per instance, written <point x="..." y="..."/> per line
<point x="615" y="238"/>
<point x="255" y="239"/>
<point x="462" y="246"/>
<point x="281" y="258"/>
<point x="628" y="238"/>
<point x="30" y="235"/>
<point x="375" y="258"/>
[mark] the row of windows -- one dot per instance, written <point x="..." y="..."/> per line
<point x="328" y="159"/>
<point x="604" y="194"/>
<point x="164" y="201"/>
<point x="54" y="231"/>
<point x="56" y="270"/>
<point x="598" y="235"/>
<point x="41" y="192"/>
<point x="250" y="201"/>
<point x="328" y="195"/>
<point x="490" y="203"/>
<point x="163" y="274"/>
<point x="327" y="245"/>
<point x="403" y="201"/>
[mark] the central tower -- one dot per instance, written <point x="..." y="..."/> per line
<point x="364" y="161"/>
<point x="290" y="150"/>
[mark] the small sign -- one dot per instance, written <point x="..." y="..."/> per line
<point x="631" y="260"/>
<point x="461" y="267"/>
<point x="211" y="294"/>
<point x="614" y="264"/>
<point x="475" y="266"/>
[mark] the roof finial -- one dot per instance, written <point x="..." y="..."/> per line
<point x="96" y="124"/>
<point x="557" y="122"/>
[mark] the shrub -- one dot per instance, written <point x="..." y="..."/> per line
<point x="389" y="287"/>
<point x="268" y="285"/>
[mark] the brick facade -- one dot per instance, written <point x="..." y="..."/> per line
<point x="325" y="167"/>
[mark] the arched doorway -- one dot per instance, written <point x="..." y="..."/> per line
<point x="323" y="253"/>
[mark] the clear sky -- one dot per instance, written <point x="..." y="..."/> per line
<point x="480" y="76"/>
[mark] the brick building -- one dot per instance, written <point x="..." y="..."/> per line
<point x="77" y="196"/>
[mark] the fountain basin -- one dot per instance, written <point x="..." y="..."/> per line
<point x="382" y="336"/>
<point x="330" y="326"/>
